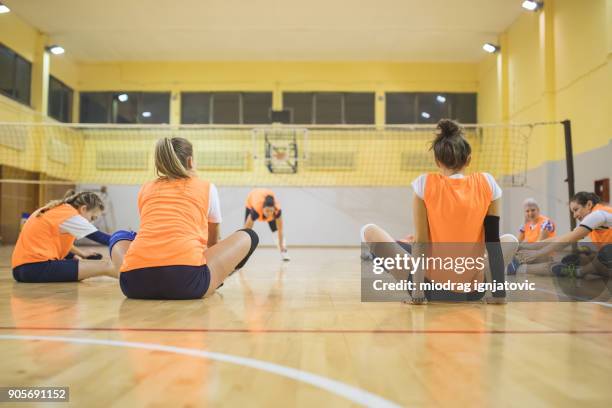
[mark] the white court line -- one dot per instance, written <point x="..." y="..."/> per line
<point x="353" y="394"/>
<point x="575" y="299"/>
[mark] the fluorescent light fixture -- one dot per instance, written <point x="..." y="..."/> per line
<point x="146" y="114"/>
<point x="4" y="9"/>
<point x="425" y="115"/>
<point x="532" y="5"/>
<point x="490" y="48"/>
<point x="55" y="49"/>
<point x="441" y="98"/>
<point x="123" y="97"/>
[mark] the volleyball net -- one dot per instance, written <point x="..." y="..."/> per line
<point x="253" y="156"/>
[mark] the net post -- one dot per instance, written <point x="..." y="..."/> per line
<point x="569" y="162"/>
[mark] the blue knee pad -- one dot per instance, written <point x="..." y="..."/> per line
<point x="121" y="235"/>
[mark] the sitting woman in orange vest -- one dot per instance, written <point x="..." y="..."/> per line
<point x="262" y="205"/>
<point x="48" y="236"/>
<point x="176" y="253"/>
<point x="595" y="222"/>
<point x="537" y="227"/>
<point x="450" y="207"/>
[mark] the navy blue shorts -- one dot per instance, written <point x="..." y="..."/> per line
<point x="65" y="270"/>
<point x="166" y="282"/>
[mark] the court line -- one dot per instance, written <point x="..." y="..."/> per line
<point x="298" y="331"/>
<point x="353" y="394"/>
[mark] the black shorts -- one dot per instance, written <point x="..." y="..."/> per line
<point x="254" y="216"/>
<point x="64" y="270"/>
<point x="166" y="282"/>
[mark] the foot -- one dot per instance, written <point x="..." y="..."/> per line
<point x="285" y="256"/>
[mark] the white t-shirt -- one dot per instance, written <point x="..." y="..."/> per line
<point x="418" y="185"/>
<point x="598" y="219"/>
<point x="214" y="205"/>
<point x="77" y="226"/>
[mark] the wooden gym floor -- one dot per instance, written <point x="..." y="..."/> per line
<point x="296" y="334"/>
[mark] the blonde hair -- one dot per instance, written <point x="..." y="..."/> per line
<point x="171" y="157"/>
<point x="85" y="198"/>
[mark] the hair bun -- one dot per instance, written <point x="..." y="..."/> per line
<point x="448" y="127"/>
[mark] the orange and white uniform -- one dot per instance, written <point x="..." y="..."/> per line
<point x="456" y="209"/>
<point x="599" y="222"/>
<point x="174" y="216"/>
<point x="532" y="230"/>
<point x="43" y="239"/>
<point x="255" y="202"/>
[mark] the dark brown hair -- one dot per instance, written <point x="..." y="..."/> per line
<point x="171" y="156"/>
<point x="85" y="198"/>
<point x="450" y="148"/>
<point x="583" y="197"/>
<point x="269" y="201"/>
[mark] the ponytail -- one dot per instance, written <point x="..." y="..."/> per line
<point x="171" y="157"/>
<point x="85" y="198"/>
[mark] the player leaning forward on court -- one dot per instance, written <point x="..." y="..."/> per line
<point x="450" y="207"/>
<point x="48" y="237"/>
<point x="176" y="253"/>
<point x="262" y="205"/>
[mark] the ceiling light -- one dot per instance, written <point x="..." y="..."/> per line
<point x="425" y="115"/>
<point x="123" y="97"/>
<point x="4" y="9"/>
<point x="441" y="98"/>
<point x="55" y="49"/>
<point x="532" y="5"/>
<point x="490" y="48"/>
<point x="146" y="114"/>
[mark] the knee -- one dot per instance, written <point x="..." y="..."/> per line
<point x="253" y="237"/>
<point x="367" y="232"/>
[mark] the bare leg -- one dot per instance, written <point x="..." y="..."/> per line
<point x="118" y="254"/>
<point x="90" y="268"/>
<point x="372" y="234"/>
<point x="223" y="258"/>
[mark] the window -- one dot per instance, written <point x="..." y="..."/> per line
<point x="195" y="107"/>
<point x="232" y="108"/>
<point x="60" y="100"/>
<point x="301" y="106"/>
<point x="405" y="107"/>
<point x="125" y="107"/>
<point x="15" y="75"/>
<point x="330" y="107"/>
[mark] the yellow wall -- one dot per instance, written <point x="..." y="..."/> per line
<point x="558" y="67"/>
<point x="29" y="42"/>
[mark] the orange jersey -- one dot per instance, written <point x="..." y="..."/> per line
<point x="255" y="201"/>
<point x="456" y="209"/>
<point x="532" y="229"/>
<point x="601" y="236"/>
<point x="173" y="224"/>
<point x="41" y="239"/>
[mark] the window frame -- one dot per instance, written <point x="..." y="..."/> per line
<point x="70" y="99"/>
<point x="15" y="57"/>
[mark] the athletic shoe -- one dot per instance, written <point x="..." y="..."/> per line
<point x="285" y="256"/>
